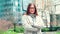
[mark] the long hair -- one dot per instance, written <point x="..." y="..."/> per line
<point x="29" y="8"/>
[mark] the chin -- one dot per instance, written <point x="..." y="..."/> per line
<point x="32" y="13"/>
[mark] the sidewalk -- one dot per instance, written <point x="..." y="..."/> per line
<point x="20" y="33"/>
<point x="49" y="32"/>
<point x="44" y="33"/>
<point x="56" y="32"/>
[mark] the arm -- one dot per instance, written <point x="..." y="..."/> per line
<point x="39" y="23"/>
<point x="26" y="25"/>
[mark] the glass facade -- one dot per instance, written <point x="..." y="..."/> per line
<point x="6" y="8"/>
<point x="10" y="9"/>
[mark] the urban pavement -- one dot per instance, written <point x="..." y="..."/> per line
<point x="44" y="33"/>
<point x="49" y="32"/>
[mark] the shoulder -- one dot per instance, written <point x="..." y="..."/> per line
<point x="38" y="16"/>
<point x="24" y="16"/>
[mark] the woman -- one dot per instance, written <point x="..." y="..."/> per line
<point x="31" y="21"/>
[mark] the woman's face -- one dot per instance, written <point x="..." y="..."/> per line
<point x="32" y="9"/>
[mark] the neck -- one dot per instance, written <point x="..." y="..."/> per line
<point x="33" y="15"/>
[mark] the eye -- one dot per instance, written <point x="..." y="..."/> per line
<point x="32" y="8"/>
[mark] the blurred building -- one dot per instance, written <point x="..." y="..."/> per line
<point x="10" y="10"/>
<point x="6" y="8"/>
<point x="55" y="11"/>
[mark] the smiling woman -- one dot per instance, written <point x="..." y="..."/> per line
<point x="32" y="22"/>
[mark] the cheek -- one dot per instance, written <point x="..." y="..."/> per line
<point x="32" y="10"/>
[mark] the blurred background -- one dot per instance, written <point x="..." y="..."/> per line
<point x="11" y="12"/>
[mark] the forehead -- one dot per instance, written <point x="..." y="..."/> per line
<point x="32" y="5"/>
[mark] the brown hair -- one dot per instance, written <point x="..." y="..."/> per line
<point x="29" y="8"/>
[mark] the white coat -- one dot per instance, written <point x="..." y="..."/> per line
<point x="27" y="22"/>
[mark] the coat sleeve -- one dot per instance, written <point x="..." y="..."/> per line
<point x="39" y="23"/>
<point x="27" y="26"/>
